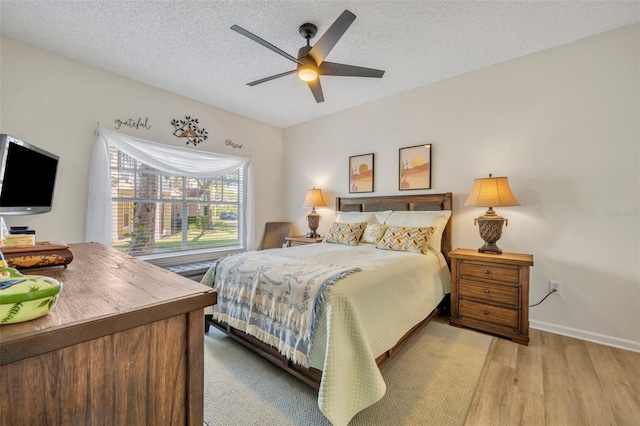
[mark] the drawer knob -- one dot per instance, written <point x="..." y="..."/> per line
<point x="486" y="312"/>
<point x="486" y="290"/>
<point x="486" y="271"/>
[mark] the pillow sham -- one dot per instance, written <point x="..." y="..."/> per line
<point x="406" y="238"/>
<point x="354" y="217"/>
<point x="382" y="216"/>
<point x="436" y="219"/>
<point x="373" y="232"/>
<point x="357" y="217"/>
<point x="345" y="233"/>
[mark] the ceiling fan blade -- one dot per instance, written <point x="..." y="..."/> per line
<point x="332" y="68"/>
<point x="273" y="77"/>
<point x="329" y="39"/>
<point x="316" y="89"/>
<point x="264" y="43"/>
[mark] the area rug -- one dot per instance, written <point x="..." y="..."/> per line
<point x="431" y="382"/>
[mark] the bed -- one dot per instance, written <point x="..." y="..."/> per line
<point x="380" y="300"/>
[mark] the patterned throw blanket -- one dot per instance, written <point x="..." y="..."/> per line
<point x="274" y="298"/>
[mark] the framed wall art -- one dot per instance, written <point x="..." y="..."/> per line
<point x="415" y="167"/>
<point x="361" y="173"/>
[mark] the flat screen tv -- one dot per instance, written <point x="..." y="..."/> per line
<point x="27" y="177"/>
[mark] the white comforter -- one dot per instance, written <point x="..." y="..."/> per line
<point x="364" y="315"/>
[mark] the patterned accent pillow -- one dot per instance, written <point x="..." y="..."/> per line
<point x="345" y="233"/>
<point x="373" y="232"/>
<point x="405" y="238"/>
<point x="437" y="219"/>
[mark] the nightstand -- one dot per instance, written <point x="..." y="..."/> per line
<point x="301" y="240"/>
<point x="490" y="292"/>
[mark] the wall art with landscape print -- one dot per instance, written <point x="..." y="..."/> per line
<point x="361" y="173"/>
<point x="415" y="167"/>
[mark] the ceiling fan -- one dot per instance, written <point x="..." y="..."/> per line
<point x="310" y="60"/>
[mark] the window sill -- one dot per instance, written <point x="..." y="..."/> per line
<point x="194" y="271"/>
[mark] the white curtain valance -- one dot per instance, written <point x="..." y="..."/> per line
<point x="172" y="159"/>
<point x="165" y="158"/>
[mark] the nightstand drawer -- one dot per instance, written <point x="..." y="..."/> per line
<point x="488" y="271"/>
<point x="301" y="240"/>
<point x="488" y="313"/>
<point x="498" y="294"/>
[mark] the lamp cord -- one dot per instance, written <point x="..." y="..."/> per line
<point x="552" y="291"/>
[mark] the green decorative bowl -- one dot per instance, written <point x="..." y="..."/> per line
<point x="25" y="297"/>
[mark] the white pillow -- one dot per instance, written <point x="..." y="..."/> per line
<point x="383" y="215"/>
<point x="359" y="217"/>
<point x="436" y="219"/>
<point x="373" y="232"/>
<point x="355" y="217"/>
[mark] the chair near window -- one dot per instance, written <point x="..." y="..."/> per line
<point x="274" y="234"/>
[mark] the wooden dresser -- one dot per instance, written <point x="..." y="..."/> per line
<point x="490" y="292"/>
<point x="124" y="345"/>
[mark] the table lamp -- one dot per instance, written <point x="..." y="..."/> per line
<point x="491" y="192"/>
<point x="314" y="199"/>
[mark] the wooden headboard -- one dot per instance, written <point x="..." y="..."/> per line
<point x="404" y="203"/>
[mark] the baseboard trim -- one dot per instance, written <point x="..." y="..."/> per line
<point x="602" y="339"/>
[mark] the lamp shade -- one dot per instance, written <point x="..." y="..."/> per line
<point x="314" y="198"/>
<point x="491" y="192"/>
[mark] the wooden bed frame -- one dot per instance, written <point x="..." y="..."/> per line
<point x="422" y="202"/>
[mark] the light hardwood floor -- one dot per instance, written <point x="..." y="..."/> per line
<point x="557" y="380"/>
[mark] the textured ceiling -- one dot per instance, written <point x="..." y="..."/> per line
<point x="187" y="47"/>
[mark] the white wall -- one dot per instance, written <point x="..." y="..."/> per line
<point x="55" y="103"/>
<point x="562" y="124"/>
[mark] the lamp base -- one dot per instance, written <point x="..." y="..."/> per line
<point x="490" y="226"/>
<point x="489" y="247"/>
<point x="314" y="220"/>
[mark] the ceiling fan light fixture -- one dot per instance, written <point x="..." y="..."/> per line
<point x="310" y="60"/>
<point x="307" y="73"/>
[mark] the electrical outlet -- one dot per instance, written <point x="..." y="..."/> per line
<point x="555" y="285"/>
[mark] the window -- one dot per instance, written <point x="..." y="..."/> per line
<point x="158" y="214"/>
<point x="126" y="217"/>
<point x="181" y="205"/>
